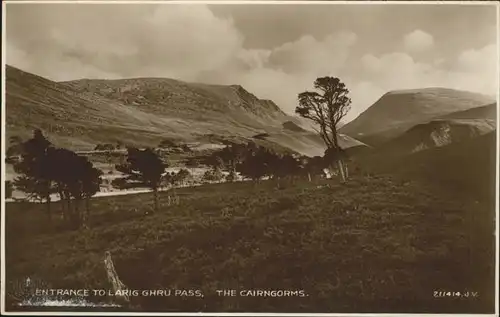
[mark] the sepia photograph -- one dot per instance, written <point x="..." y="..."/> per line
<point x="249" y="157"/>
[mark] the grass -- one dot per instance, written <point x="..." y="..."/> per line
<point x="372" y="245"/>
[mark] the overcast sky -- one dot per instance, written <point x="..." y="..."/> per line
<point x="274" y="51"/>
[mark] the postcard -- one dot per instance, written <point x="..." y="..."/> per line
<point x="245" y="158"/>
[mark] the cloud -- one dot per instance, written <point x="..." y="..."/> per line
<point x="282" y="72"/>
<point x="189" y="42"/>
<point x="478" y="59"/>
<point x="120" y="40"/>
<point x="471" y="70"/>
<point x="478" y="69"/>
<point x="418" y="41"/>
<point x="307" y="54"/>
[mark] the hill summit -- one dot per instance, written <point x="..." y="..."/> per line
<point x="142" y="112"/>
<point x="397" y="111"/>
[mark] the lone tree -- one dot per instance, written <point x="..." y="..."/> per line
<point x="144" y="166"/>
<point x="326" y="106"/>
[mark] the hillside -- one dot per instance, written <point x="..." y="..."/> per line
<point x="290" y="125"/>
<point x="164" y="96"/>
<point x="488" y="112"/>
<point x="376" y="243"/>
<point x="143" y="112"/>
<point x="466" y="167"/>
<point x="397" y="111"/>
<point x="438" y="133"/>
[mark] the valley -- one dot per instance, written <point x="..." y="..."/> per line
<point x="417" y="207"/>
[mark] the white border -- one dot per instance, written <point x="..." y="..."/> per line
<point x="2" y="97"/>
<point x="281" y="2"/>
<point x="497" y="164"/>
<point x="228" y="2"/>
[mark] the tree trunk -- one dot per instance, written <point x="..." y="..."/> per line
<point x="47" y="203"/>
<point x="335" y="137"/>
<point x="341" y="170"/>
<point x="78" y="215"/>
<point x="70" y="212"/>
<point x="87" y="211"/>
<point x="176" y="198"/>
<point x="62" y="200"/>
<point x="155" y="193"/>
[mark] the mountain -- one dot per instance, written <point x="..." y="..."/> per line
<point x="144" y="111"/>
<point x="164" y="96"/>
<point x="397" y="111"/>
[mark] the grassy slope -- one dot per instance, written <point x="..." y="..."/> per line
<point x="439" y="132"/>
<point x="375" y="245"/>
<point x="467" y="167"/>
<point x="143" y="111"/>
<point x="485" y="112"/>
<point x="72" y="119"/>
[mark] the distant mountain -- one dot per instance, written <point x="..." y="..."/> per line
<point x="397" y="111"/>
<point x="144" y="111"/>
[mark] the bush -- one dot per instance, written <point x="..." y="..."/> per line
<point x="213" y="175"/>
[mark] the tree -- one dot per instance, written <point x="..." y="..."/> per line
<point x="35" y="169"/>
<point x="46" y="170"/>
<point x="145" y="166"/>
<point x="181" y="176"/>
<point x="15" y="147"/>
<point x="232" y="176"/>
<point x="314" y="166"/>
<point x="290" y="165"/>
<point x="326" y="107"/>
<point x="76" y="179"/>
<point x="337" y="155"/>
<point x="192" y="163"/>
<point x="104" y="147"/>
<point x="257" y="163"/>
<point x="9" y="189"/>
<point x="91" y="184"/>
<point x="283" y="166"/>
<point x="213" y="175"/>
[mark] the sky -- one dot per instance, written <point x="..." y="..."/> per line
<point x="274" y="51"/>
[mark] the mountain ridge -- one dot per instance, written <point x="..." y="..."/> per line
<point x="80" y="114"/>
<point x="406" y="108"/>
